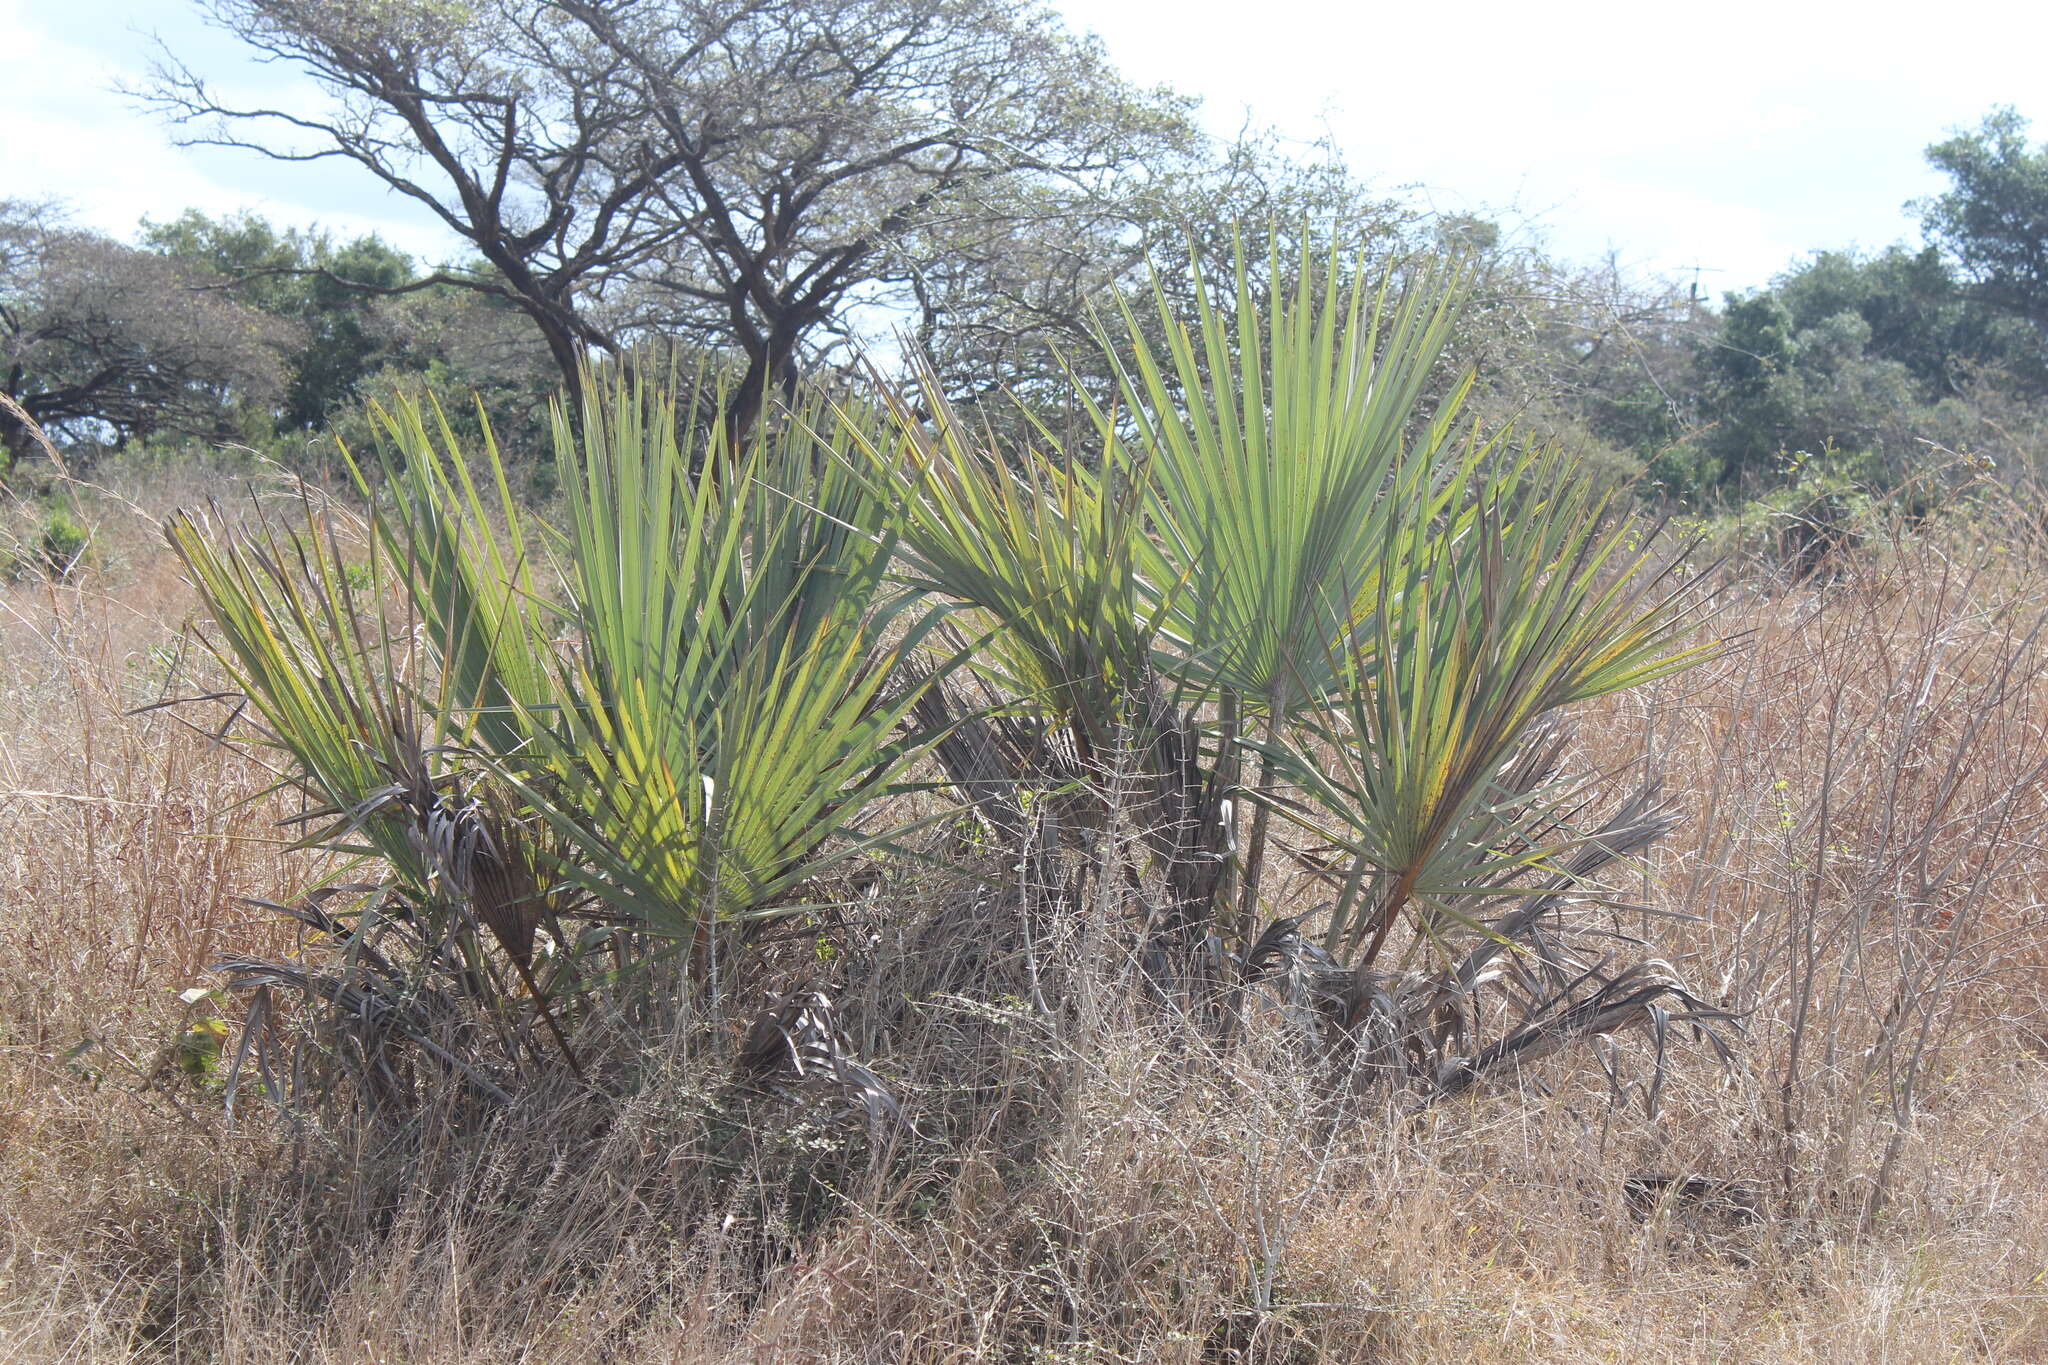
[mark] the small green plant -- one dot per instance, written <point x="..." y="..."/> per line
<point x="64" y="543"/>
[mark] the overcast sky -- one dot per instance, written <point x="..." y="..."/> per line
<point x="1734" y="137"/>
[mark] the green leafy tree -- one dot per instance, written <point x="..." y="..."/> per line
<point x="101" y="343"/>
<point x="1874" y="355"/>
<point x="1769" y="386"/>
<point x="1993" y="220"/>
<point x="328" y="290"/>
<point x="1919" y="312"/>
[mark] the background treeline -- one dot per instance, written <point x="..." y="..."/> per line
<point x="806" y="187"/>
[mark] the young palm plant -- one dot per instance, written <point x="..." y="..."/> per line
<point x="1042" y="546"/>
<point x="1281" y="446"/>
<point x="370" y="737"/>
<point x="1437" y="770"/>
<point x="665" y="719"/>
<point x="736" y="700"/>
<point x="1436" y="764"/>
<point x="1045" y="549"/>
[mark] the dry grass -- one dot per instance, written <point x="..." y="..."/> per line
<point x="1863" y="860"/>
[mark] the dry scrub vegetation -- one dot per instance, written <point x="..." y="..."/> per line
<point x="1010" y="1149"/>
<point x="1863" y="855"/>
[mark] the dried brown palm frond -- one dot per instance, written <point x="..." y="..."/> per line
<point x="378" y="1008"/>
<point x="798" y="1037"/>
<point x="491" y="866"/>
<point x="380" y="979"/>
<point x="1649" y="995"/>
<point x="986" y="754"/>
<point x="1641" y="820"/>
<point x="476" y="867"/>
<point x="1526" y="987"/>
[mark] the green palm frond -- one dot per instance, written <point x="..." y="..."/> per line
<point x="736" y="700"/>
<point x="323" y="669"/>
<point x="1438" y="773"/>
<point x="467" y="562"/>
<point x="1280" y="449"/>
<point x="1044" y="547"/>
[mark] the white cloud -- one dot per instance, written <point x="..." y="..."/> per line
<point x="1740" y="136"/>
<point x="70" y="136"/>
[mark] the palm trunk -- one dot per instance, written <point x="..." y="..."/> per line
<point x="1246" y="926"/>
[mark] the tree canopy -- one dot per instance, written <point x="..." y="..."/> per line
<point x="1993" y="219"/>
<point x="308" y="280"/>
<point x="108" y="342"/>
<point x="749" y="172"/>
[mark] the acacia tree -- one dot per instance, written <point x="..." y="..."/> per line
<point x="746" y="172"/>
<point x="498" y="117"/>
<point x="99" y="340"/>
<point x="1017" y="308"/>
